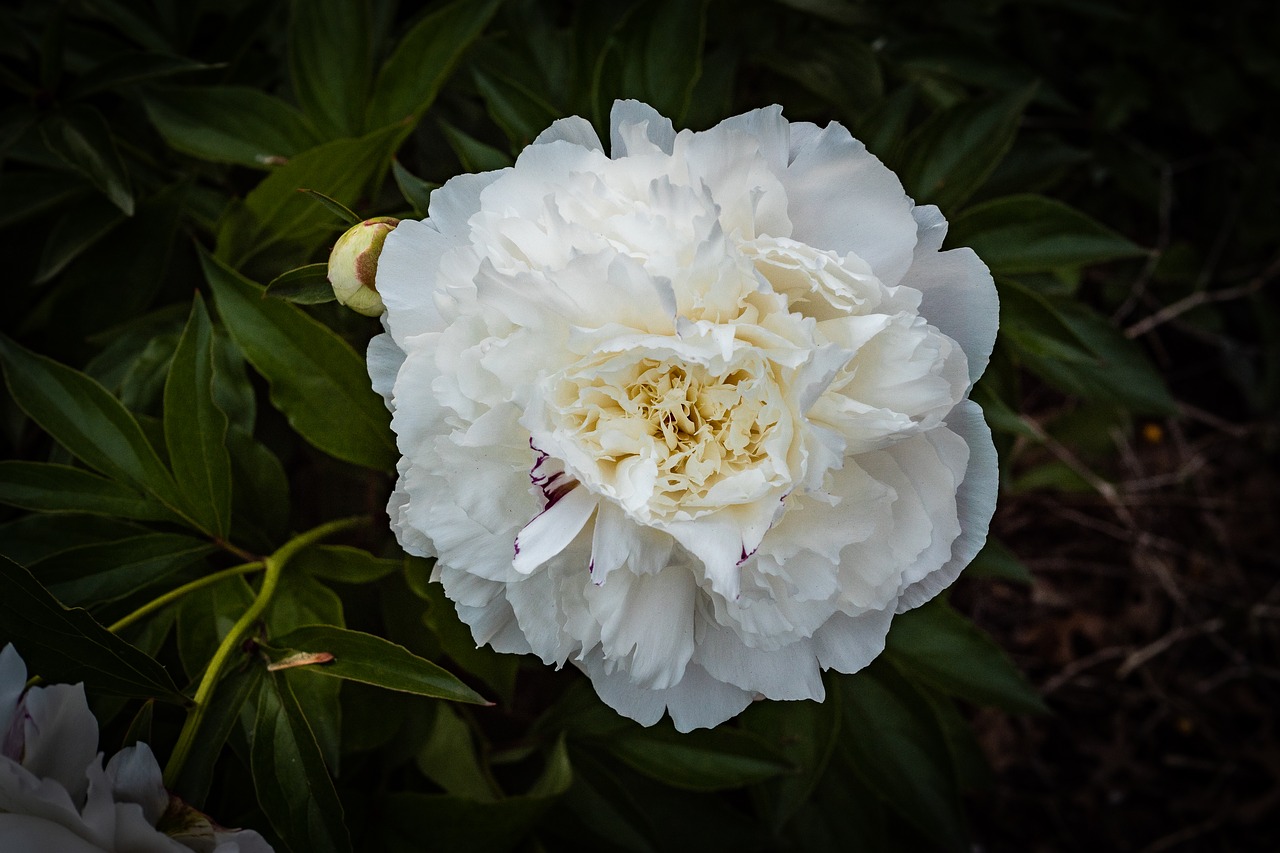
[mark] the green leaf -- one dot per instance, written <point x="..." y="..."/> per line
<point x="449" y="759"/>
<point x="995" y="560"/>
<point x="74" y="233"/>
<point x="306" y="285"/>
<point x="344" y="564"/>
<point x="344" y="213"/>
<point x="662" y="61"/>
<point x="475" y="155"/>
<point x="195" y="429"/>
<point x="330" y="62"/>
<point x="25" y="194"/>
<point x="81" y="138"/>
<point x="35" y="537"/>
<point x="230" y="124"/>
<point x="805" y="733"/>
<point x="128" y="68"/>
<point x="204" y="619"/>
<point x="364" y="657"/>
<point x="496" y="670"/>
<point x="459" y="823"/>
<point x="276" y="213"/>
<point x="289" y="774"/>
<point x="415" y="190"/>
<point x="85" y="419"/>
<point x="44" y="487"/>
<point x="411" y="78"/>
<point x="943" y="649"/>
<point x="894" y="744"/>
<point x="260" y="491"/>
<point x="950" y="156"/>
<point x="317" y="380"/>
<point x="1119" y="372"/>
<point x="704" y="760"/>
<point x="518" y="110"/>
<point x="236" y="689"/>
<point x="68" y="645"/>
<point x="97" y="574"/>
<point x="1030" y="233"/>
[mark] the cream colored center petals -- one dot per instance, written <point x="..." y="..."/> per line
<point x="673" y="440"/>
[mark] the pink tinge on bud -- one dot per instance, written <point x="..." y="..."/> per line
<point x="353" y="264"/>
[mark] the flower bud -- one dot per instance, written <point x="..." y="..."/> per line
<point x="353" y="264"/>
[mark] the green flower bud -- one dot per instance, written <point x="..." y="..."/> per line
<point x="353" y="264"/>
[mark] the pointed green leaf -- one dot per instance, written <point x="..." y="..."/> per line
<point x="81" y="138"/>
<point x="234" y="691"/>
<point x="276" y="213"/>
<point x="1030" y="233"/>
<point x="330" y="47"/>
<point x="289" y="774"/>
<point x="317" y="380"/>
<point x="415" y="190"/>
<point x="74" y="233"/>
<point x="995" y="560"/>
<point x="940" y="647"/>
<point x="25" y="194"/>
<point x="894" y="744"/>
<point x="448" y="758"/>
<point x="195" y="429"/>
<point x="344" y="564"/>
<point x="230" y="124"/>
<point x="704" y="760"/>
<point x="364" y="657"/>
<point x="460" y="823"/>
<point x="804" y="732"/>
<point x="128" y="68"/>
<point x="44" y="487"/>
<point x="475" y="155"/>
<point x="411" y="78"/>
<point x="100" y="573"/>
<point x="68" y="645"/>
<point x="306" y="285"/>
<point x="337" y="208"/>
<point x="85" y="419"/>
<point x="955" y="151"/>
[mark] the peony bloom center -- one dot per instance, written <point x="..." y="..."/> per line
<point x="673" y="440"/>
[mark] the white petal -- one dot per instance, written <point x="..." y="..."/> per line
<point x="633" y="121"/>
<point x="975" y="499"/>
<point x="701" y="702"/>
<point x="13" y="680"/>
<point x="790" y="672"/>
<point x="553" y="529"/>
<point x="135" y="778"/>
<point x="698" y="701"/>
<point x="646" y="624"/>
<point x="24" y="833"/>
<point x="959" y="294"/>
<point x="384" y="359"/>
<point x="61" y="735"/>
<point x="572" y="129"/>
<point x="407" y="278"/>
<point x="841" y="197"/>
<point x="848" y="643"/>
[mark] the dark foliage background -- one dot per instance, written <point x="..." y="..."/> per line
<point x="1116" y="164"/>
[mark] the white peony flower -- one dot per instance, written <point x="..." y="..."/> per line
<point x="691" y="415"/>
<point x="56" y="797"/>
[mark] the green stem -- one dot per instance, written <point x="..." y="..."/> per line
<point x="174" y="594"/>
<point x="271" y="578"/>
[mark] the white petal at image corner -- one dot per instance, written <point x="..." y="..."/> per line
<point x="748" y="354"/>
<point x="56" y="796"/>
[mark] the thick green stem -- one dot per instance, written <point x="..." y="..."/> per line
<point x="175" y="594"/>
<point x="271" y="578"/>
